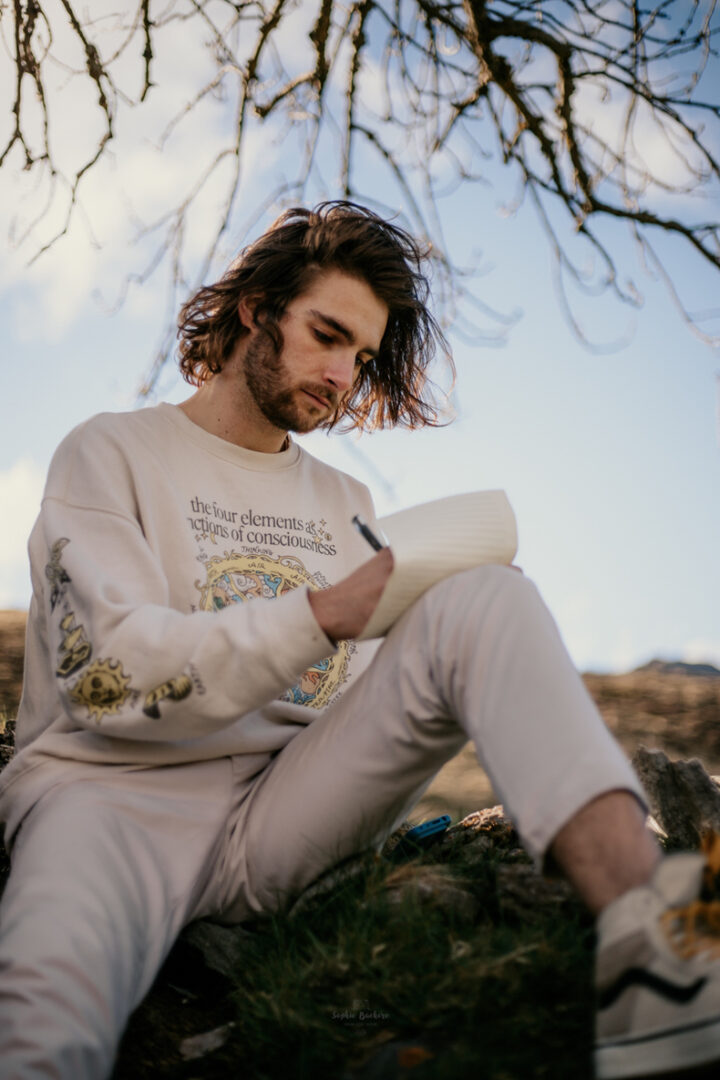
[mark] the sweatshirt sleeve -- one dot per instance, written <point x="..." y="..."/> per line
<point x="127" y="663"/>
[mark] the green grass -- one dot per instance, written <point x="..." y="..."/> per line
<point x="435" y="951"/>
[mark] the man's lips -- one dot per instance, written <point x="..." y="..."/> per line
<point x="317" y="399"/>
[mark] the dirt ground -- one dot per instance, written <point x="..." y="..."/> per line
<point x="12" y="648"/>
<point x="677" y="713"/>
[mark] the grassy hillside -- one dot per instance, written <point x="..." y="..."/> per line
<point x="460" y="962"/>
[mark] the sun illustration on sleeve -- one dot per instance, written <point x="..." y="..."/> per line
<point x="103" y="689"/>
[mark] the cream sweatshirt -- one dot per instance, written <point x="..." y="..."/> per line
<point x="170" y="619"/>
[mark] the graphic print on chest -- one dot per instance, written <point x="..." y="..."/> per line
<point x="210" y="520"/>
<point x="234" y="578"/>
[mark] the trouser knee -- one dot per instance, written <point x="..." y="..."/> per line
<point x="493" y="584"/>
<point x="485" y="607"/>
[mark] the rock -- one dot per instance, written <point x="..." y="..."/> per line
<point x="434" y="886"/>
<point x="394" y="839"/>
<point x="683" y="799"/>
<point x="197" y="1046"/>
<point x="483" y="825"/>
<point x="332" y="880"/>
<point x="470" y="840"/>
<point x="526" y="896"/>
<point x="221" y="947"/>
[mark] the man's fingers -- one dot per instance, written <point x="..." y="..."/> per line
<point x="386" y="557"/>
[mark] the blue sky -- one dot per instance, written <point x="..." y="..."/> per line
<point x="610" y="459"/>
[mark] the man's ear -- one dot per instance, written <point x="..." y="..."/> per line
<point x="247" y="306"/>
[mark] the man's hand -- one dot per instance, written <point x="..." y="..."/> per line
<point x="344" y="609"/>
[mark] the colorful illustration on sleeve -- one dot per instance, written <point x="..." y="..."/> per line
<point x="56" y="574"/>
<point x="174" y="690"/>
<point x="305" y="691"/>
<point x="235" y="578"/>
<point x="74" y="648"/>
<point x="103" y="689"/>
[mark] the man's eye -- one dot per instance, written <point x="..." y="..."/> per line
<point x="326" y="339"/>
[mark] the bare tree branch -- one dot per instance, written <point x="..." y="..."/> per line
<point x="599" y="112"/>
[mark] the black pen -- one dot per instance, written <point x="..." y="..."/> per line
<point x="367" y="532"/>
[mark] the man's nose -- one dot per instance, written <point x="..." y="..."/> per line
<point x="340" y="370"/>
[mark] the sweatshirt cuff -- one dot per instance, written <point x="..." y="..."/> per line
<point x="318" y="630"/>
<point x="294" y="639"/>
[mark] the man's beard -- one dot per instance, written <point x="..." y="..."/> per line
<point x="267" y="380"/>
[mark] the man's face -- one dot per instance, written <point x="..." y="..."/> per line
<point x="328" y="332"/>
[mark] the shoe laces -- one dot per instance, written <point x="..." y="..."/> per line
<point x="694" y="928"/>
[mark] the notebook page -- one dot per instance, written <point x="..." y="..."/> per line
<point x="436" y="539"/>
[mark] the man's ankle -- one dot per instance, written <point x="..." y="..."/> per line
<point x="676" y="882"/>
<point x="606" y="849"/>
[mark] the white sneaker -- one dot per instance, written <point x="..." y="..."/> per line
<point x="657" y="977"/>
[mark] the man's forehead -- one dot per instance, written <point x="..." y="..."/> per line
<point x="346" y="304"/>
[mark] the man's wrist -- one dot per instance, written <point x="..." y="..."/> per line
<point x="318" y="607"/>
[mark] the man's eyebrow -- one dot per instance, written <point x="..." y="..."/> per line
<point x="339" y="328"/>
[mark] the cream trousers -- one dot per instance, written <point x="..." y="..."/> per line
<point x="107" y="870"/>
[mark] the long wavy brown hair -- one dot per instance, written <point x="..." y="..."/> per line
<point x="391" y="389"/>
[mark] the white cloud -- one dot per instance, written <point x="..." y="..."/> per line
<point x="21" y="488"/>
<point x="657" y="146"/>
<point x="135" y="180"/>
<point x="702" y="651"/>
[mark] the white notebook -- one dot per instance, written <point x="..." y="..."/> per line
<point x="439" y="538"/>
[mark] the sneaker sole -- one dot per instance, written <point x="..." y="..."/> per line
<point x="667" y="1054"/>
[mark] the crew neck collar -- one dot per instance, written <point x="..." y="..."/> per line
<point x="237" y="455"/>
